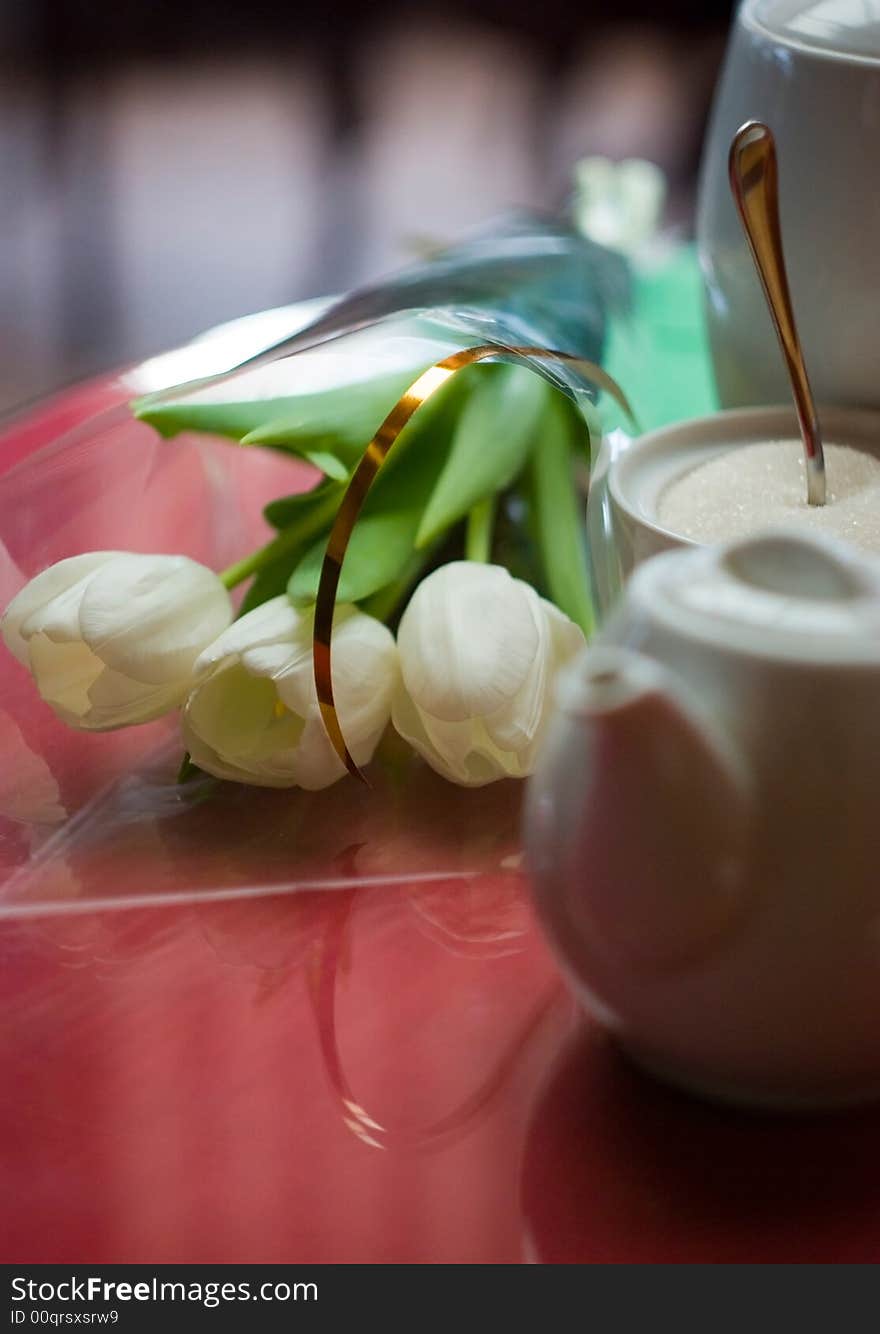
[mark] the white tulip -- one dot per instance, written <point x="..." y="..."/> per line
<point x="111" y="637"/>
<point x="253" y="717"/>
<point x="479" y="651"/>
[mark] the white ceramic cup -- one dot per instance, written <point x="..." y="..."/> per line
<point x="811" y="70"/>
<point x="623" y="527"/>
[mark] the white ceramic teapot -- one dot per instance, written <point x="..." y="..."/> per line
<point x="703" y="831"/>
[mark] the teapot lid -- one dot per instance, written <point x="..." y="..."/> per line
<point x="778" y="594"/>
<point x="833" y="27"/>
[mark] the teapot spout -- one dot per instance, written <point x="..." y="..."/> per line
<point x="639" y="816"/>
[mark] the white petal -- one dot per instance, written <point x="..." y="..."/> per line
<point x="566" y="638"/>
<point x="505" y="743"/>
<point x="461" y="752"/>
<point x="64" y="674"/>
<point x="116" y="700"/>
<point x="365" y="671"/>
<point x="409" y="723"/>
<point x="207" y="758"/>
<point x="275" y="660"/>
<point x="254" y="717"/>
<point x="236" y="710"/>
<point x="88" y="696"/>
<point x="518" y="725"/>
<point x="316" y="764"/>
<point x="41" y="589"/>
<point x="231" y="730"/>
<point x="514" y="726"/>
<point x="151" y="616"/>
<point x="58" y="619"/>
<point x="467" y="640"/>
<point x="275" y="621"/>
<point x="225" y="722"/>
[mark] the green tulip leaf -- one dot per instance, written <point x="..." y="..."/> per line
<point x="328" y="464"/>
<point x="384" y="536"/>
<point x="328" y="429"/>
<point x="323" y="404"/>
<point x="379" y="549"/>
<point x="337" y="424"/>
<point x="493" y="436"/>
<point x="306" y="508"/>
<point x="558" y="519"/>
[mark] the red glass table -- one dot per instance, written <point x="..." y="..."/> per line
<point x="245" y="1025"/>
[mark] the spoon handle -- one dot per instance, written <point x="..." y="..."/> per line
<point x="754" y="182"/>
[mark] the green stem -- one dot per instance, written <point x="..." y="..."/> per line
<point x="297" y="534"/>
<point x="480" y="527"/>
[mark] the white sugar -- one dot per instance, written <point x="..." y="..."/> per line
<point x="756" y="486"/>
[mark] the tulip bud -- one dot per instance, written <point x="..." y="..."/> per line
<point x="479" y="652"/>
<point x="253" y="717"/>
<point x="111" y="638"/>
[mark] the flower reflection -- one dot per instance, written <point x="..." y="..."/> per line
<point x="314" y="933"/>
<point x="481" y="916"/>
<point x="306" y="891"/>
<point x="461" y="1117"/>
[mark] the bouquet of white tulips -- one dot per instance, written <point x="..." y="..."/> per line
<point x="464" y="585"/>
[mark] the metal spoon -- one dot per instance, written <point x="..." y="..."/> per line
<point x="754" y="182"/>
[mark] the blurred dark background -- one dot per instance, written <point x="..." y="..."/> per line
<point x="168" y="164"/>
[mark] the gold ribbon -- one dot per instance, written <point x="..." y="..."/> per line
<point x="362" y="479"/>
